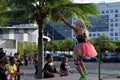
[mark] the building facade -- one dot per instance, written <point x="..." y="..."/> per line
<point x="57" y="31"/>
<point x="108" y="22"/>
<point x="23" y="32"/>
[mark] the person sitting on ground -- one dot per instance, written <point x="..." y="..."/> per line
<point x="49" y="68"/>
<point x="64" y="67"/>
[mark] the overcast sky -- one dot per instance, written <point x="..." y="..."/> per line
<point x="95" y="1"/>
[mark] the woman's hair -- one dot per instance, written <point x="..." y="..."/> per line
<point x="80" y="23"/>
<point x="48" y="56"/>
<point x="87" y="33"/>
<point x="64" y="58"/>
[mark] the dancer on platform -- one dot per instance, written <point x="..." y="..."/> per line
<point x="83" y="47"/>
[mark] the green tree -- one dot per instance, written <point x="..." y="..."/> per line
<point x="20" y="47"/>
<point x="40" y="11"/>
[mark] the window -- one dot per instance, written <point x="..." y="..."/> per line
<point x="116" y="34"/>
<point x="90" y="35"/>
<point x="116" y="15"/>
<point x="98" y="34"/>
<point x="116" y="24"/>
<point x="111" y="34"/>
<point x="111" y="25"/>
<point x="94" y="34"/>
<point x="25" y="30"/>
<point x="111" y="29"/>
<point x="1" y="31"/>
<point x="16" y="31"/>
<point x="111" y="11"/>
<point x="6" y="31"/>
<point x="116" y="11"/>
<point x="111" y="20"/>
<point x="107" y="11"/>
<point x="103" y="12"/>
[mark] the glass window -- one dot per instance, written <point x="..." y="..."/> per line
<point x="111" y="29"/>
<point x="103" y="12"/>
<point x="94" y="34"/>
<point x="1" y="31"/>
<point x="116" y="24"/>
<point x="116" y="15"/>
<point x="98" y="34"/>
<point x="111" y="25"/>
<point x="116" y="34"/>
<point x="107" y="11"/>
<point x="25" y="30"/>
<point x="111" y="11"/>
<point x="16" y="31"/>
<point x="116" y="11"/>
<point x="111" y="34"/>
<point x="111" y="20"/>
<point x="6" y="31"/>
<point x="90" y="35"/>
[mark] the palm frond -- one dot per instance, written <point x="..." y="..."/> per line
<point x="75" y="9"/>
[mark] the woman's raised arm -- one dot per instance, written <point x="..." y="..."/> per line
<point x="65" y="21"/>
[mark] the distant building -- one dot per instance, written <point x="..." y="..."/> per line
<point x="9" y="36"/>
<point x="108" y="22"/>
<point x="57" y="31"/>
<point x="23" y="32"/>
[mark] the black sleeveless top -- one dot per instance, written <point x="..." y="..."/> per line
<point x="81" y="38"/>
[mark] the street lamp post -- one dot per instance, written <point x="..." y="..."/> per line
<point x="99" y="60"/>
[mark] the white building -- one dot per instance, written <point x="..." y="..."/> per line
<point x="23" y="32"/>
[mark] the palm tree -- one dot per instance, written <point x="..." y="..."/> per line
<point x="40" y="11"/>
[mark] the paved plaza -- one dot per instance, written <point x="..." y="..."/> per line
<point x="93" y="74"/>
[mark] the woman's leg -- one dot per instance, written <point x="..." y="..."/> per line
<point x="80" y="70"/>
<point x="79" y="67"/>
<point x="83" y="67"/>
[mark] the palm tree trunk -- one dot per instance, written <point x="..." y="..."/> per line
<point x="40" y="52"/>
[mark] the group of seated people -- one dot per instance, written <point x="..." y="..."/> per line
<point x="50" y="69"/>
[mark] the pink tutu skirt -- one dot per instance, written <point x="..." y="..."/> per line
<point x="84" y="49"/>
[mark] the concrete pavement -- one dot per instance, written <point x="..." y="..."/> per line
<point x="93" y="75"/>
<point x="109" y="71"/>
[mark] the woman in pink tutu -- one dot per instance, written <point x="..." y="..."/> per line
<point x="83" y="47"/>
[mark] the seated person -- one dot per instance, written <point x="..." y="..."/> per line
<point x="64" y="67"/>
<point x="49" y="68"/>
